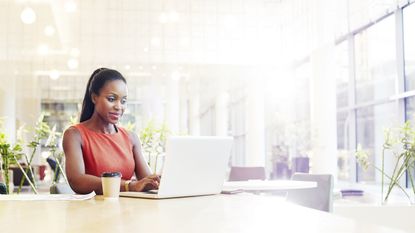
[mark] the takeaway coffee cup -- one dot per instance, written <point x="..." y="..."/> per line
<point x="111" y="184"/>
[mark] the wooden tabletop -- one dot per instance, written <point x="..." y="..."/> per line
<point x="217" y="213"/>
<point x="268" y="185"/>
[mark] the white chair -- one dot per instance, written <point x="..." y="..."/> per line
<point x="320" y="198"/>
<point x="247" y="173"/>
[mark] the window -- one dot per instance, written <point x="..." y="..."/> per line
<point x="343" y="154"/>
<point x="375" y="61"/>
<point x="370" y="124"/>
<point x="409" y="46"/>
<point x="342" y="74"/>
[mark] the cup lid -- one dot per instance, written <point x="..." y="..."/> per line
<point x="111" y="174"/>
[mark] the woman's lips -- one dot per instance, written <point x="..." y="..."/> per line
<point x="114" y="116"/>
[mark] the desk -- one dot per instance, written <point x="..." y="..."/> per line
<point x="218" y="213"/>
<point x="267" y="185"/>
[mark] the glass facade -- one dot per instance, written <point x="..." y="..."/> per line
<point x="370" y="125"/>
<point x="375" y="61"/>
<point x="409" y="46"/>
<point x="379" y="102"/>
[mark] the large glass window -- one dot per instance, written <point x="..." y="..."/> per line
<point x="343" y="153"/>
<point x="410" y="109"/>
<point x="409" y="45"/>
<point x="370" y="124"/>
<point x="375" y="61"/>
<point x="342" y="74"/>
<point x="342" y="90"/>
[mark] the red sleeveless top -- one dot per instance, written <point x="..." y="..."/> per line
<point x="107" y="152"/>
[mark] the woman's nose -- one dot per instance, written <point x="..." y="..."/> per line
<point x="117" y="105"/>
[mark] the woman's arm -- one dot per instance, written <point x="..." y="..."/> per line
<point x="146" y="180"/>
<point x="75" y="168"/>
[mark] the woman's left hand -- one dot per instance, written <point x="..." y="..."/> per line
<point x="147" y="183"/>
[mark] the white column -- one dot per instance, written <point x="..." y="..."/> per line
<point x="254" y="124"/>
<point x="152" y="103"/>
<point x="194" y="112"/>
<point x="28" y="109"/>
<point x="221" y="118"/>
<point x="184" y="113"/>
<point x="28" y="100"/>
<point x="8" y="103"/>
<point x="323" y="112"/>
<point x="172" y="105"/>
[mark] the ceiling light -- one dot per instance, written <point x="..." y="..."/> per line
<point x="49" y="30"/>
<point x="175" y="76"/>
<point x="28" y="15"/>
<point x="54" y="74"/>
<point x="173" y="16"/>
<point x="72" y="63"/>
<point x="163" y="18"/>
<point x="43" y="49"/>
<point x="74" y="52"/>
<point x="70" y="6"/>
<point x="155" y="42"/>
<point x="184" y="42"/>
<point x="230" y="22"/>
<point x="127" y="67"/>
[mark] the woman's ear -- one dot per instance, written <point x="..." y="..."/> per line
<point x="93" y="98"/>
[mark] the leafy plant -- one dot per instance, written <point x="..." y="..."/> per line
<point x="10" y="154"/>
<point x="401" y="143"/>
<point x="153" y="141"/>
<point x="52" y="145"/>
<point x="41" y="131"/>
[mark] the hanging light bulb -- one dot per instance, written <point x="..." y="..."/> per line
<point x="70" y="6"/>
<point x="43" y="49"/>
<point x="73" y="63"/>
<point x="49" y="30"/>
<point x="28" y="15"/>
<point x="54" y="74"/>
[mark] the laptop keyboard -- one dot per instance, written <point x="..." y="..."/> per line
<point x="155" y="191"/>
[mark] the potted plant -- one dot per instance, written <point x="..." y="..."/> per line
<point x="10" y="154"/>
<point x="280" y="162"/>
<point x="40" y="132"/>
<point x="55" y="160"/>
<point x="399" y="143"/>
<point x="153" y="140"/>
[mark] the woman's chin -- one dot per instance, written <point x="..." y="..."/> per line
<point x="112" y="121"/>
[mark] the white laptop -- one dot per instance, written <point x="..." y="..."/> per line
<point x="193" y="166"/>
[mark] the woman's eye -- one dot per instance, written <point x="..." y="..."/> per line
<point x="111" y="99"/>
<point x="123" y="101"/>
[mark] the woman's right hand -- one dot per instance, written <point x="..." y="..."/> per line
<point x="147" y="183"/>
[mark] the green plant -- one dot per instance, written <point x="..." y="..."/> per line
<point x="52" y="145"/>
<point x="401" y="143"/>
<point x="153" y="141"/>
<point x="41" y="131"/>
<point x="10" y="154"/>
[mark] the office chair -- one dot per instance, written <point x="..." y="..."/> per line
<point x="320" y="198"/>
<point x="247" y="173"/>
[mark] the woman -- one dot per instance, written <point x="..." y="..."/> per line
<point x="98" y="145"/>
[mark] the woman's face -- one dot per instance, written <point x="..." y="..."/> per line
<point x="111" y="101"/>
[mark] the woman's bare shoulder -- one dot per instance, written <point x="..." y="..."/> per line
<point x="133" y="137"/>
<point x="72" y="133"/>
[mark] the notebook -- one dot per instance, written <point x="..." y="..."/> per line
<point x="193" y="166"/>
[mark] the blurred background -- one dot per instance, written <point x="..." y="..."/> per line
<point x="297" y="83"/>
